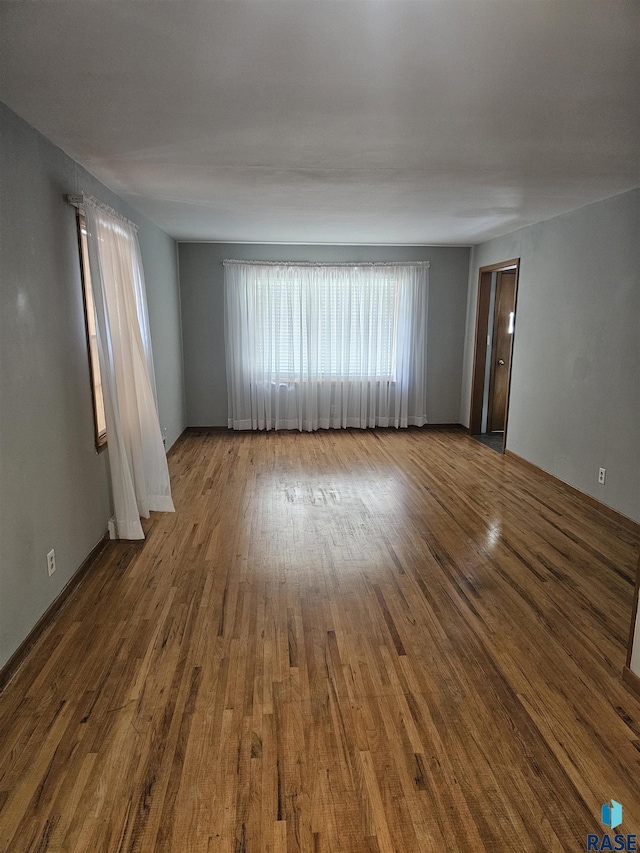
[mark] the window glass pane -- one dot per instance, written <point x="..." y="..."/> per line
<point x="346" y="325"/>
<point x="92" y="338"/>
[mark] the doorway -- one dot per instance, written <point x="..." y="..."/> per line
<point x="495" y="329"/>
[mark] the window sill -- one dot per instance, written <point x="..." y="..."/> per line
<point x="283" y="382"/>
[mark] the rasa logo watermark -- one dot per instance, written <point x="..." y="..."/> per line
<point x="612" y="817"/>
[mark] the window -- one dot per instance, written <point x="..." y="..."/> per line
<point x="340" y="325"/>
<point x="92" y="338"/>
<point x="325" y="346"/>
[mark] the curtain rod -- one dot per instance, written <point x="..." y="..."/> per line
<point x="79" y="200"/>
<point x="328" y="264"/>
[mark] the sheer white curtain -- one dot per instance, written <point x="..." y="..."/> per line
<point x="318" y="346"/>
<point x="137" y="460"/>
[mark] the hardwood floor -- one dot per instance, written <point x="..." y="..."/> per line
<point x="348" y="641"/>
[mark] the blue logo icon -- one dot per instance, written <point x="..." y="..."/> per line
<point x="612" y="814"/>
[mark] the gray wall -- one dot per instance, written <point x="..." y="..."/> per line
<point x="575" y="395"/>
<point x="202" y="288"/>
<point x="160" y="259"/>
<point x="54" y="490"/>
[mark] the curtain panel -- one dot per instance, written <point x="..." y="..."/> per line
<point x="325" y="346"/>
<point x="137" y="459"/>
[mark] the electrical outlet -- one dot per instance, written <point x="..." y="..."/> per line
<point x="602" y="473"/>
<point x="51" y="562"/>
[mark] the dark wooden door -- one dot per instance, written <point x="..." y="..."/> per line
<point x="503" y="321"/>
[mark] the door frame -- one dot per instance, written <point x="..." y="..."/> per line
<point x="485" y="275"/>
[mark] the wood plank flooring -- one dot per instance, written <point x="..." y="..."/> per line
<point x="353" y="641"/>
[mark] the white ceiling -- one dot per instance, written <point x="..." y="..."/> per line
<point x="313" y="121"/>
